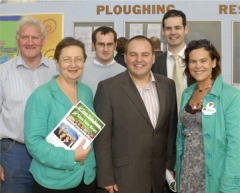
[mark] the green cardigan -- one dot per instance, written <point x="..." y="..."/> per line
<point x="221" y="135"/>
<point x="54" y="167"/>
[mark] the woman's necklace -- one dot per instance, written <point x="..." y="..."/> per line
<point x="207" y="88"/>
<point x="198" y="95"/>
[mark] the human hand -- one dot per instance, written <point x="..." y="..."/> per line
<point x="2" y="178"/>
<point x="112" y="188"/>
<point x="80" y="153"/>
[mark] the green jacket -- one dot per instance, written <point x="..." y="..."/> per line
<point x="221" y="135"/>
<point x="54" y="167"/>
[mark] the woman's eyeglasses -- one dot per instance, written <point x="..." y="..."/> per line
<point x="69" y="60"/>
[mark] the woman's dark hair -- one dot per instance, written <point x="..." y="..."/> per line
<point x="206" y="45"/>
<point x="69" y="41"/>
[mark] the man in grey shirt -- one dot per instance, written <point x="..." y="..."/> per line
<point x="18" y="78"/>
<point x="104" y="40"/>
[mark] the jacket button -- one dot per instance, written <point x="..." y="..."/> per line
<point x="207" y="136"/>
<point x="237" y="181"/>
<point x="209" y="155"/>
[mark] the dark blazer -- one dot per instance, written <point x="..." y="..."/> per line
<point x="129" y="151"/>
<point x="157" y="53"/>
<point x="160" y="66"/>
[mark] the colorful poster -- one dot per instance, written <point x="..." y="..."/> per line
<point x="8" y="24"/>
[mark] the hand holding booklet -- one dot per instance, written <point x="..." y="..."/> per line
<point x="79" y="123"/>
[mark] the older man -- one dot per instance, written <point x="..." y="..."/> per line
<point x="18" y="78"/>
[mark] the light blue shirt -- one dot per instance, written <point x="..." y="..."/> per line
<point x="17" y="82"/>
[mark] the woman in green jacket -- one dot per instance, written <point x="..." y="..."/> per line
<point x="56" y="169"/>
<point x="208" y="138"/>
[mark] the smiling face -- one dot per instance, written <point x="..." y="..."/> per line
<point x="70" y="63"/>
<point x="30" y="42"/>
<point x="175" y="33"/>
<point x="201" y="65"/>
<point x="104" y="47"/>
<point x="139" y="58"/>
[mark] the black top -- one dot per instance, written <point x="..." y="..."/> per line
<point x="120" y="59"/>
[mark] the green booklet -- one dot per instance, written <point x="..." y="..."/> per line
<point x="80" y="122"/>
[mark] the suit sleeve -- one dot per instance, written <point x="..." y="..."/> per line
<point x="171" y="157"/>
<point x="102" y="144"/>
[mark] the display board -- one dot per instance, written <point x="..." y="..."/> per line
<point x="83" y="31"/>
<point x="236" y="53"/>
<point x="210" y="30"/>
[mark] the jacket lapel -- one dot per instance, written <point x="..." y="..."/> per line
<point x="58" y="95"/>
<point x="131" y="91"/>
<point x="161" y="90"/>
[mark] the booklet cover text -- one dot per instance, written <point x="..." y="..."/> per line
<point x="80" y="122"/>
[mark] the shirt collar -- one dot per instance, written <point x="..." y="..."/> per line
<point x="21" y="62"/>
<point x="181" y="53"/>
<point x="152" y="80"/>
<point x="100" y="64"/>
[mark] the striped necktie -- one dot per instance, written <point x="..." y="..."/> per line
<point x="178" y="79"/>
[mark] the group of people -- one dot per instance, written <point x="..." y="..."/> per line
<point x="170" y="112"/>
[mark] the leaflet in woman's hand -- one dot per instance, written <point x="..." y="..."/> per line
<point x="80" y="122"/>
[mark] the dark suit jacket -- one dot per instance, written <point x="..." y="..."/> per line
<point x="129" y="151"/>
<point x="160" y="66"/>
<point x="157" y="53"/>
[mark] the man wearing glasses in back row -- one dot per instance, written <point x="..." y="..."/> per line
<point x="104" y="40"/>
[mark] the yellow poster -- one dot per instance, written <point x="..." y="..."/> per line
<point x="8" y="46"/>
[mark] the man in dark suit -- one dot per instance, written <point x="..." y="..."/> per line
<point x="174" y="30"/>
<point x="139" y="109"/>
